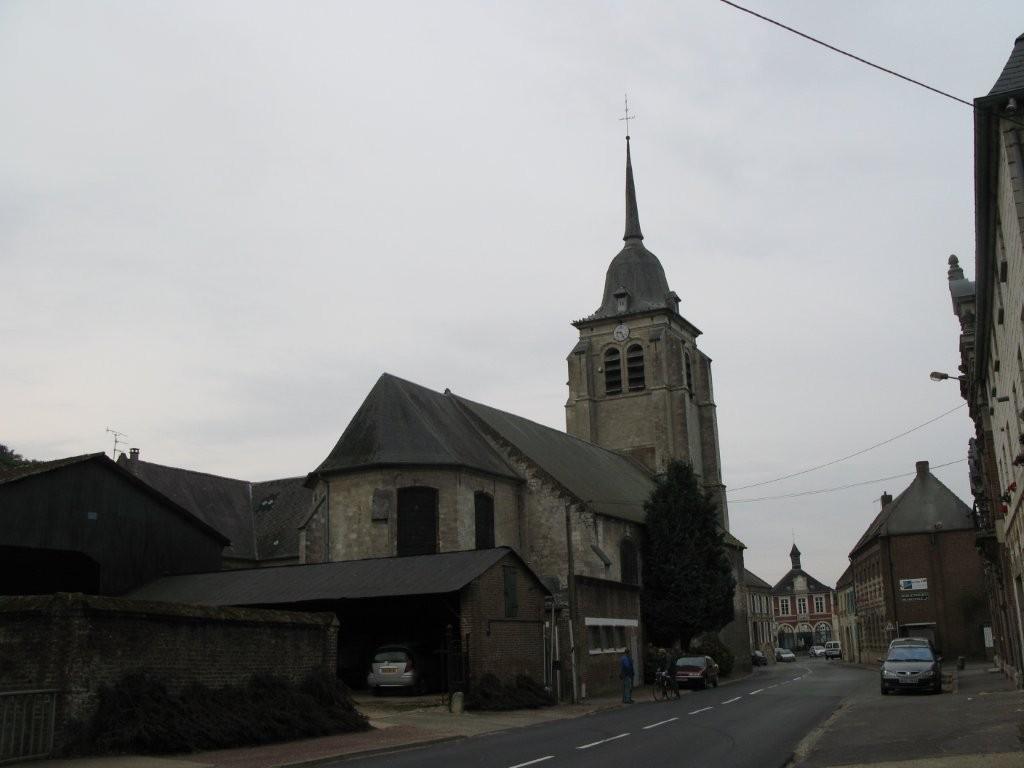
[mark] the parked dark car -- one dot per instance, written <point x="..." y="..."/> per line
<point x="758" y="659"/>
<point x="402" y="666"/>
<point x="911" y="667"/>
<point x="699" y="671"/>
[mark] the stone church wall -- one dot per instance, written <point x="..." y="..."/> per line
<point x="76" y="643"/>
<point x="363" y="510"/>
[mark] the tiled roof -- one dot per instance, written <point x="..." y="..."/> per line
<point x="753" y="580"/>
<point x="279" y="507"/>
<point x="37" y="468"/>
<point x="785" y="584"/>
<point x="1011" y="79"/>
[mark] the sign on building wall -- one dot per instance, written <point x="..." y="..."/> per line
<point x="913" y="585"/>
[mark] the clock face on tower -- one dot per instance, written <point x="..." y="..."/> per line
<point x="621" y="332"/>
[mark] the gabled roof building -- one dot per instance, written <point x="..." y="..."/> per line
<point x="803" y="607"/>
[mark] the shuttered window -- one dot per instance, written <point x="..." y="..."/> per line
<point x="511" y="593"/>
<point x="635" y="367"/>
<point x="484" y="504"/>
<point x="612" y="372"/>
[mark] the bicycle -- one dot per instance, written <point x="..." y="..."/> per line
<point x="664" y="686"/>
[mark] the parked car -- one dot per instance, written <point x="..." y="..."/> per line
<point x="833" y="649"/>
<point x="784" y="654"/>
<point x="400" y="665"/>
<point x="816" y="651"/>
<point x="700" y="671"/>
<point x="758" y="659"/>
<point x="911" y="667"/>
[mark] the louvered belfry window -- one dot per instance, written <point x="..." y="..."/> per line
<point x="635" y="367"/>
<point x="612" y="372"/>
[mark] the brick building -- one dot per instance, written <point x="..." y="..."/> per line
<point x="803" y="608"/>
<point x="846" y="616"/>
<point x="990" y="310"/>
<point x="916" y="572"/>
<point x="759" y="614"/>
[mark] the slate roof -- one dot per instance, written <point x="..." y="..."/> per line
<point x="785" y="584"/>
<point x="15" y="474"/>
<point x="925" y="506"/>
<point x="403" y="424"/>
<point x="753" y="580"/>
<point x="261" y="519"/>
<point x="1011" y="79"/>
<point x="609" y="483"/>
<point x="342" y="580"/>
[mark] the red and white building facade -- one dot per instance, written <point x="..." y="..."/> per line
<point x="803" y="608"/>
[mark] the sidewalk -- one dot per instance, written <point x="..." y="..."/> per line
<point x="398" y="723"/>
<point x="977" y="724"/>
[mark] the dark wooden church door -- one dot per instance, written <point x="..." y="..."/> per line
<point x="417" y="521"/>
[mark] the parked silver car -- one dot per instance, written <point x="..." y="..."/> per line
<point x="398" y="666"/>
<point x="911" y="667"/>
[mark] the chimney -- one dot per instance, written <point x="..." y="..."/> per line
<point x="886" y="499"/>
<point x="133" y="456"/>
<point x="922" y="467"/>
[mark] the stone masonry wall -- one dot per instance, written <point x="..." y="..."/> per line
<point x="76" y="644"/>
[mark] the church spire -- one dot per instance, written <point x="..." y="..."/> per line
<point x="632" y="214"/>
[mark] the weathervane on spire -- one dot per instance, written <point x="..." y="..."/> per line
<point x="628" y="117"/>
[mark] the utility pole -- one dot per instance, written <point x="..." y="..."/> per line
<point x="572" y="604"/>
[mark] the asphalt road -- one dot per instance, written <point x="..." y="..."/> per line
<point x="752" y="723"/>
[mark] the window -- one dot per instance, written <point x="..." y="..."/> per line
<point x="511" y="594"/>
<point x="801" y="605"/>
<point x="689" y="372"/>
<point x="612" y="372"/>
<point x="608" y="635"/>
<point x="783" y="606"/>
<point x="417" y="521"/>
<point x="484" y="510"/>
<point x="635" y="367"/>
<point x="819" y="603"/>
<point x="628" y="562"/>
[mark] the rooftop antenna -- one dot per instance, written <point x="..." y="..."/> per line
<point x="117" y="441"/>
<point x="628" y="117"/>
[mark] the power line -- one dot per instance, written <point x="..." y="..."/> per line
<point x="879" y="67"/>
<point x="852" y="455"/>
<point x="841" y="487"/>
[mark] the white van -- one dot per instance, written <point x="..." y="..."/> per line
<point x="833" y="649"/>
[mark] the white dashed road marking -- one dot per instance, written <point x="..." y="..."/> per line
<point x="752" y="693"/>
<point x="655" y="725"/>
<point x="730" y="701"/>
<point x="698" y="711"/>
<point x="603" y="741"/>
<point x="531" y="762"/>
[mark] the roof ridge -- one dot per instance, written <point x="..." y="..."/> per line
<point x="192" y="471"/>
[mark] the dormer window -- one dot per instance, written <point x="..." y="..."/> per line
<point x="621" y="300"/>
<point x="672" y="300"/>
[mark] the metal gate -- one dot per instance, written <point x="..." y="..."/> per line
<point x="26" y="724"/>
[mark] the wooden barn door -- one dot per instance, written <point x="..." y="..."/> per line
<point x="417" y="521"/>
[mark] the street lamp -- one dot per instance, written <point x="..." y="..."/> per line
<point x="940" y="376"/>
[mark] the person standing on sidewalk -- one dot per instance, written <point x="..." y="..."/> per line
<point x="626" y="673"/>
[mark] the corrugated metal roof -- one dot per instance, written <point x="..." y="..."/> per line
<point x="403" y="424"/>
<point x="350" y="579"/>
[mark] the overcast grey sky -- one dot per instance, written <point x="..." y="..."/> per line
<point x="220" y="222"/>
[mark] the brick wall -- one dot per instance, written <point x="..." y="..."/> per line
<point x="505" y="646"/>
<point x="76" y="643"/>
<point x="599" y="599"/>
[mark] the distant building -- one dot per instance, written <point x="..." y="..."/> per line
<point x="803" y="608"/>
<point x="990" y="310"/>
<point x="759" y="610"/>
<point x="846" y="616"/>
<point x="916" y="573"/>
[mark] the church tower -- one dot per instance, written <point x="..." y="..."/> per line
<point x="638" y="384"/>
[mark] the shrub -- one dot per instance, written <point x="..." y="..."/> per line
<point x="489" y="693"/>
<point x="711" y="645"/>
<point x="138" y="714"/>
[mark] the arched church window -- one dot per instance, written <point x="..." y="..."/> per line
<point x="417" y="521"/>
<point x="635" y="367"/>
<point x="628" y="562"/>
<point x="612" y="372"/>
<point x="484" y="510"/>
<point x="688" y="371"/>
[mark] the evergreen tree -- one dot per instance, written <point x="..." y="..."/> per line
<point x="9" y="459"/>
<point x="688" y="585"/>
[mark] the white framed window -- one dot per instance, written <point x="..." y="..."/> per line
<point x="819" y="603"/>
<point x="784" y="606"/>
<point x="607" y="635"/>
<point x="801" y="605"/>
